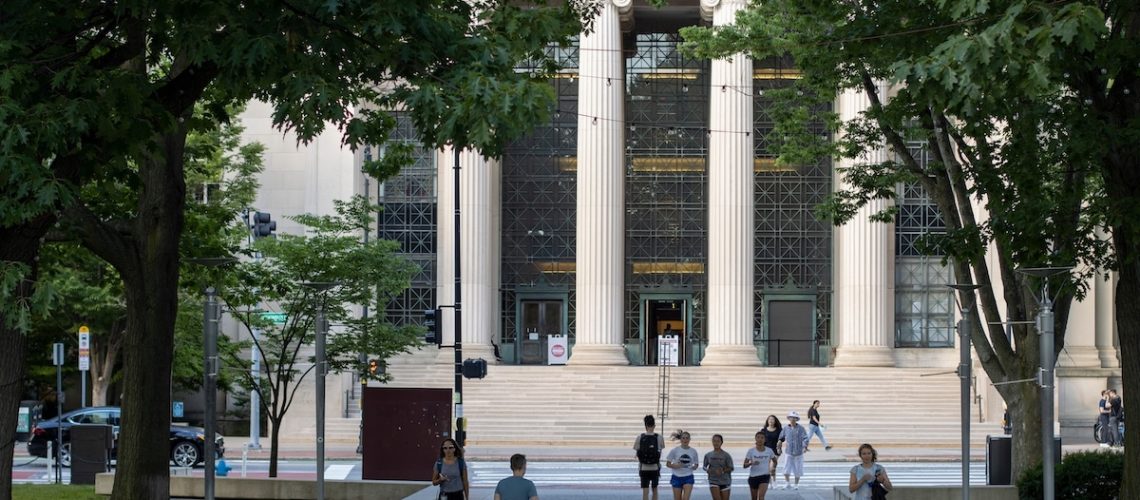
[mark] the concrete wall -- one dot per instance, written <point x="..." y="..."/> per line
<point x="262" y="488"/>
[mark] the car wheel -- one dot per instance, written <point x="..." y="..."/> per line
<point x="185" y="454"/>
<point x="64" y="455"/>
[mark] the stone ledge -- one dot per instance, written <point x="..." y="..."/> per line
<point x="265" y="488"/>
<point x="941" y="492"/>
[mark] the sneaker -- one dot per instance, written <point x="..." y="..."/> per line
<point x="796" y="487"/>
<point x="827" y="448"/>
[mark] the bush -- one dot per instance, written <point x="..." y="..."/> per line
<point x="1080" y="475"/>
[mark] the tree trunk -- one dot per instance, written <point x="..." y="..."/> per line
<point x="11" y="383"/>
<point x="1025" y="411"/>
<point x="150" y="277"/>
<point x="274" y="438"/>
<point x="1128" y="324"/>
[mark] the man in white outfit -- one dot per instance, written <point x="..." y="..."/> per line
<point x="793" y="439"/>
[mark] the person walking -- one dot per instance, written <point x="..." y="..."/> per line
<point x="771" y="432"/>
<point x="648" y="446"/>
<point x="868" y="474"/>
<point x="718" y="464"/>
<point x="1102" y="412"/>
<point x="794" y="442"/>
<point x="814" y="428"/>
<point x="683" y="460"/>
<point x="759" y="461"/>
<point x="1115" y="412"/>
<point x="516" y="487"/>
<point x="450" y="472"/>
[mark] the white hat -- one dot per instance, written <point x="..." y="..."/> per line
<point x="794" y="414"/>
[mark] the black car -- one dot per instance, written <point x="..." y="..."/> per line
<point x="186" y="443"/>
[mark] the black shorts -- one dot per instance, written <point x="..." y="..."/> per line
<point x="754" y="482"/>
<point x="452" y="495"/>
<point x="649" y="477"/>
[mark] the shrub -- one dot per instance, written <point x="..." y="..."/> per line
<point x="1080" y="475"/>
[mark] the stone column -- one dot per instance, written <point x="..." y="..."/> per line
<point x="600" y="273"/>
<point x="1105" y="334"/>
<point x="1080" y="334"/>
<point x="865" y="269"/>
<point x="731" y="220"/>
<point x="479" y="210"/>
<point x="445" y="248"/>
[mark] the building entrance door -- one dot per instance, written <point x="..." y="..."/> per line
<point x="665" y="316"/>
<point x="539" y="319"/>
<point x="791" y="333"/>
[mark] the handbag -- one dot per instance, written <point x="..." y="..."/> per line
<point x="878" y="491"/>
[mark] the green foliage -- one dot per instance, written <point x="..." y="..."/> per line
<point x="1080" y="475"/>
<point x="365" y="274"/>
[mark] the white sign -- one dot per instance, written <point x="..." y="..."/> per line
<point x="668" y="347"/>
<point x="84" y="349"/>
<point x="557" y="350"/>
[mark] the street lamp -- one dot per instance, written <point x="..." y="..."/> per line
<point x="964" y="365"/>
<point x="322" y="327"/>
<point x="1045" y="328"/>
<point x="210" y="317"/>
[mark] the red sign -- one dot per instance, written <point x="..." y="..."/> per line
<point x="557" y="350"/>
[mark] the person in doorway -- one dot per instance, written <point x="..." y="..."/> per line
<point x="758" y="461"/>
<point x="450" y="472"/>
<point x="1115" y="412"/>
<point x="814" y="428"/>
<point x="683" y="460"/>
<point x="648" y="446"/>
<point x="794" y="438"/>
<point x="864" y="476"/>
<point x="718" y="464"/>
<point x="516" y="487"/>
<point x="771" y="432"/>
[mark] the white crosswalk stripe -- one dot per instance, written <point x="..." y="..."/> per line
<point x="816" y="474"/>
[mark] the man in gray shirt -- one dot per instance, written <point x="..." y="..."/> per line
<point x="516" y="487"/>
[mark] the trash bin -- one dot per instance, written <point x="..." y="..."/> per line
<point x="90" y="451"/>
<point x="29" y="415"/>
<point x="999" y="459"/>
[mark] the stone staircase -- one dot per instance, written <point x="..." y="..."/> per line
<point x="604" y="405"/>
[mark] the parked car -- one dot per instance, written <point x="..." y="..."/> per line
<point x="187" y="444"/>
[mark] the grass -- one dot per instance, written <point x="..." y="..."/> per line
<point x="53" y="492"/>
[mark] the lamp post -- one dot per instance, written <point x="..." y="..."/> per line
<point x="322" y="328"/>
<point x="210" y="317"/>
<point x="965" y="325"/>
<point x="1045" y="328"/>
<point x="460" y="423"/>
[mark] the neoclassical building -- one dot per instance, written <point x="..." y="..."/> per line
<point x="650" y="204"/>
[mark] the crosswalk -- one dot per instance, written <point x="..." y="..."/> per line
<point x="620" y="474"/>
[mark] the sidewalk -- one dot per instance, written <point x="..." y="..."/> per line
<point x="553" y="453"/>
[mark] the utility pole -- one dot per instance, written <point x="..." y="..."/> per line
<point x="322" y="327"/>
<point x="210" y="325"/>
<point x="57" y="357"/>
<point x="965" y="364"/>
<point x="460" y="422"/>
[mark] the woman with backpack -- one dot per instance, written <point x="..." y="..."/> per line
<point x="869" y="480"/>
<point x="450" y="472"/>
<point x="648" y="447"/>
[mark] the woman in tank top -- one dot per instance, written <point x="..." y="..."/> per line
<point x="450" y="472"/>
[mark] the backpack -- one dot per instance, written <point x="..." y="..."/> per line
<point x="648" y="451"/>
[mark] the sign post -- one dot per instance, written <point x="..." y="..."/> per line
<point x="57" y="359"/>
<point x="84" y="363"/>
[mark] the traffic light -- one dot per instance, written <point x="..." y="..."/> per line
<point x="474" y="368"/>
<point x="263" y="224"/>
<point x="433" y="322"/>
<point x="373" y="367"/>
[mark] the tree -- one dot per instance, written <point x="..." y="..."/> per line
<point x="1009" y="170"/>
<point x="366" y="274"/>
<point x="94" y="92"/>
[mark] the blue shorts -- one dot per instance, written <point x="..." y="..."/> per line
<point x="680" y="481"/>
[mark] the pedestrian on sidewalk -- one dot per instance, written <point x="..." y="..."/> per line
<point x="718" y="464"/>
<point x="758" y="461"/>
<point x="1102" y="412"/>
<point x="794" y="438"/>
<point x="869" y="478"/>
<point x="683" y="460"/>
<point x="814" y="428"/>
<point x="648" y="446"/>
<point x="1115" y="413"/>
<point x="516" y="487"/>
<point x="450" y="472"/>
<point x="771" y="432"/>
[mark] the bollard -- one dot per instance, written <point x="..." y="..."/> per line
<point x="244" y="457"/>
